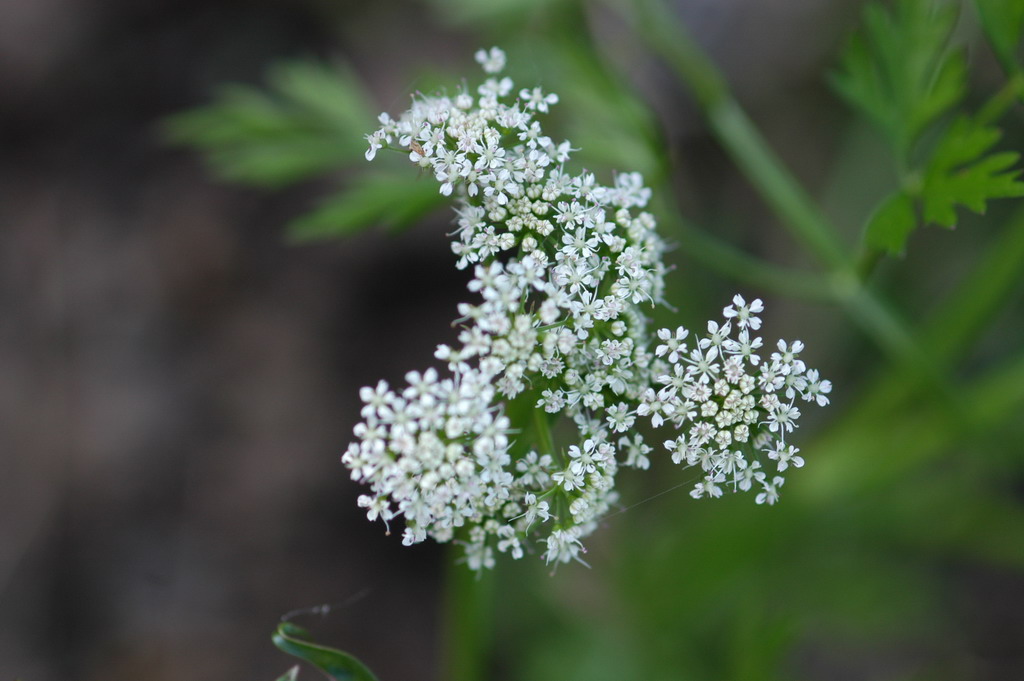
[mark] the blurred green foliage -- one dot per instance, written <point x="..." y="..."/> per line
<point x="311" y="121"/>
<point x="957" y="173"/>
<point x="900" y="71"/>
<point x="1003" y="21"/>
<point x="911" y="496"/>
<point x="903" y="74"/>
<point x="304" y="125"/>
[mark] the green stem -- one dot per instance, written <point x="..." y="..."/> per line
<point x="738" y="135"/>
<point x="916" y="433"/>
<point x="960" y="318"/>
<point x="776" y="185"/>
<point x="873" y="316"/>
<point x="990" y="113"/>
<point x="1008" y="95"/>
<point x="469" y="621"/>
<point x="868" y="261"/>
<point x="543" y="428"/>
<point x="730" y="261"/>
<point x="700" y="245"/>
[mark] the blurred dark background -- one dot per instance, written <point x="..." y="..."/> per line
<point x="177" y="382"/>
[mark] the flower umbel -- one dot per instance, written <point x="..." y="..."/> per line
<point x="563" y="268"/>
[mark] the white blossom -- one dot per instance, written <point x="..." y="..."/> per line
<point x="492" y="61"/>
<point x="564" y="274"/>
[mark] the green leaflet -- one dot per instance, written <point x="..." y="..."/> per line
<point x="958" y="173"/>
<point x="900" y="71"/>
<point x="338" y="665"/>
<point x="390" y="199"/>
<point x="891" y="224"/>
<point x="311" y="120"/>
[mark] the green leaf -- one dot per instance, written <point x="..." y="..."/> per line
<point x="392" y="200"/>
<point x="900" y="71"/>
<point x="891" y="224"/>
<point x="1003" y="21"/>
<point x="338" y="665"/>
<point x="290" y="675"/>
<point x="959" y="174"/>
<point x="310" y="120"/>
<point x="331" y="95"/>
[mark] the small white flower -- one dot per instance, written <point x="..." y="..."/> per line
<point x="376" y="142"/>
<point x="771" y="492"/>
<point x="745" y="315"/>
<point x="563" y="546"/>
<point x="636" y="452"/>
<point x="673" y="343"/>
<point x="535" y="99"/>
<point x="785" y="455"/>
<point x="569" y="478"/>
<point x="816" y="390"/>
<point x="707" y="487"/>
<point x="620" y="418"/>
<point x="493" y="60"/>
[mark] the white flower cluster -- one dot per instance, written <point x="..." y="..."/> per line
<point x="730" y="405"/>
<point x="562" y="266"/>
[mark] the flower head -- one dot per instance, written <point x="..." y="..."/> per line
<point x="564" y="270"/>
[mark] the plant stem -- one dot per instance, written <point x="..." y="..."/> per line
<point x="543" y="428"/>
<point x="867" y="261"/>
<point x="873" y="316"/>
<point x="980" y="295"/>
<point x="698" y="244"/>
<point x="962" y="316"/>
<point x="469" y="622"/>
<point x="1008" y="95"/>
<point x="776" y="184"/>
<point x="738" y="135"/>
<point x="916" y="433"/>
<point x="723" y="257"/>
